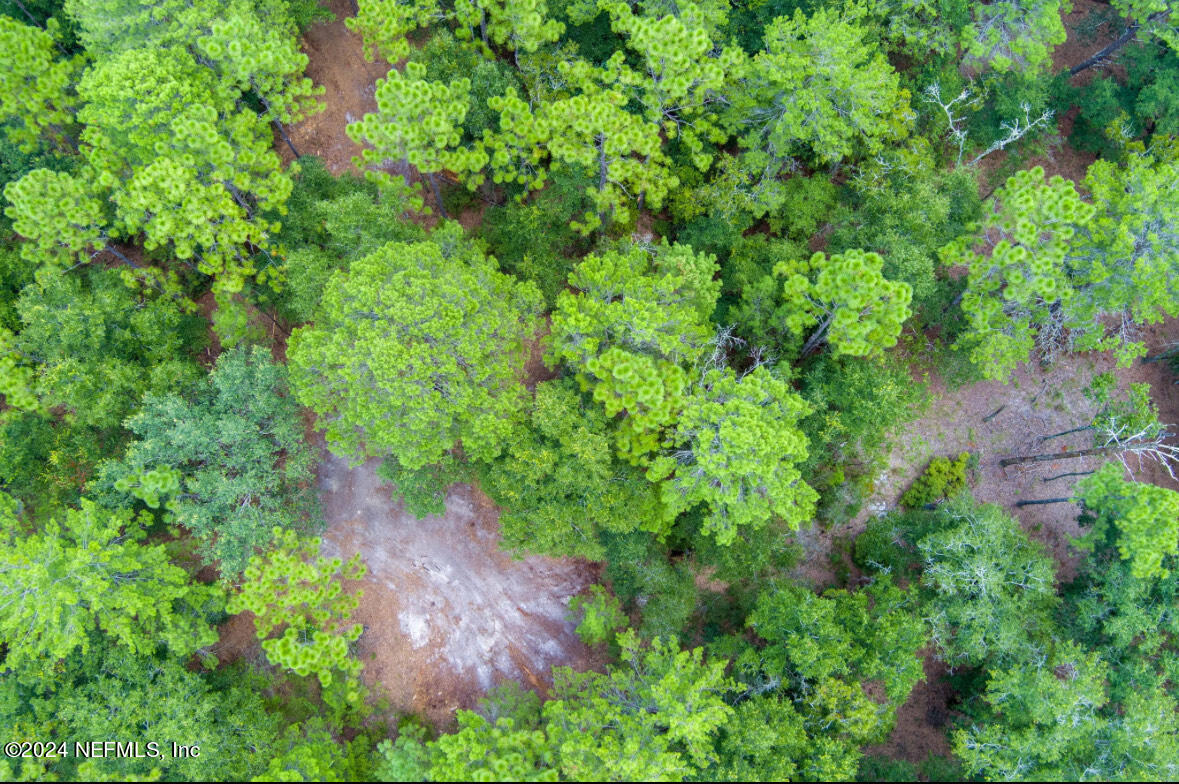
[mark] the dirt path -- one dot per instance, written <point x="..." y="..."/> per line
<point x="447" y="614"/>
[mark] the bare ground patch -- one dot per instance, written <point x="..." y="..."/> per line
<point x="336" y="62"/>
<point x="447" y="614"/>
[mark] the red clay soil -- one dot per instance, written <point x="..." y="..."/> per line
<point x="447" y="614"/>
<point x="337" y="64"/>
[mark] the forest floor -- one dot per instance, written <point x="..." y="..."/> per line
<point x="447" y="613"/>
<point x="336" y="63"/>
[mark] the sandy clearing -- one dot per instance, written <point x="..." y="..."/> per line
<point x="447" y="614"/>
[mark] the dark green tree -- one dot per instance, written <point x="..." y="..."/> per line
<point x="228" y="462"/>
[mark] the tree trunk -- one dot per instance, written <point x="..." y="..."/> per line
<point x="25" y="11"/>
<point x="1163" y="357"/>
<point x="1050" y="456"/>
<point x="817" y="337"/>
<point x="430" y="178"/>
<point x="994" y="413"/>
<point x="119" y="255"/>
<point x="601" y="162"/>
<point x="1043" y="501"/>
<point x="602" y="174"/>
<point x="1115" y="45"/>
<point x="1070" y="473"/>
<point x="1066" y="432"/>
<point x="643" y="194"/>
<point x="282" y="132"/>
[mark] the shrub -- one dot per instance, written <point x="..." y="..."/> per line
<point x="942" y="479"/>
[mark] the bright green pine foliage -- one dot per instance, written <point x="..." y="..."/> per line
<point x="36" y="95"/>
<point x="520" y="25"/>
<point x="519" y="147"/>
<point x="634" y="320"/>
<point x="560" y="485"/>
<point x="186" y="192"/>
<point x="292" y="590"/>
<point x="1132" y="622"/>
<point x="59" y="214"/>
<point x="229" y="462"/>
<point x="420" y="122"/>
<point x="991" y="589"/>
<point x="1019" y="290"/>
<point x="1059" y="268"/>
<point x="384" y="25"/>
<point x="503" y="741"/>
<point x="854" y="307"/>
<point x="415" y="347"/>
<point x="736" y="448"/>
<point x="250" y="45"/>
<point x="653" y="718"/>
<point x="1145" y="516"/>
<point x="1015" y="35"/>
<point x="88" y="570"/>
<point x="820" y="88"/>
<point x="684" y="71"/>
<point x="623" y="153"/>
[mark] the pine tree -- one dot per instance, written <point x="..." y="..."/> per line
<point x="87" y="570"/>
<point x="415" y="347"/>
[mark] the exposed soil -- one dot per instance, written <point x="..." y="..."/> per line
<point x="336" y="63"/>
<point x="447" y="614"/>
<point x="1085" y="37"/>
<point x="1036" y="403"/>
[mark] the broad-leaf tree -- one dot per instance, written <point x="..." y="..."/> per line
<point x="1145" y="517"/>
<point x="874" y="634"/>
<point x="228" y="462"/>
<point x="560" y="485"/>
<point x="990" y="589"/>
<point x="1041" y="719"/>
<point x="821" y="90"/>
<point x="653" y="717"/>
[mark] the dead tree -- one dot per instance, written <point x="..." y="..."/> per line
<point x="1118" y="440"/>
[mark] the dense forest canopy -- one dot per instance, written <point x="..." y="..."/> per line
<point x="702" y="300"/>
